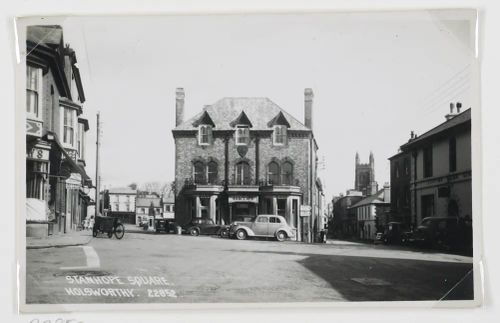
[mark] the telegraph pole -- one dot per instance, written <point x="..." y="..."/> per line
<point x="97" y="170"/>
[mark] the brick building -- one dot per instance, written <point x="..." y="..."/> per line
<point x="345" y="224"/>
<point x="57" y="185"/>
<point x="246" y="156"/>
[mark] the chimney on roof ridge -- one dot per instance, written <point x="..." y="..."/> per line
<point x="308" y="105"/>
<point x="459" y="106"/>
<point x="179" y="106"/>
<point x="452" y="114"/>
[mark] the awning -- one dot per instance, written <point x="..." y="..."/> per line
<point x="67" y="162"/>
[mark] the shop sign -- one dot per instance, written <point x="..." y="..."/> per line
<point x="74" y="179"/>
<point x="34" y="128"/>
<point x="305" y="210"/>
<point x="242" y="198"/>
<point x="38" y="154"/>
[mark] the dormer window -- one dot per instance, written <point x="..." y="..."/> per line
<point x="242" y="135"/>
<point x="279" y="135"/>
<point x="204" y="135"/>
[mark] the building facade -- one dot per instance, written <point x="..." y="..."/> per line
<point x="400" y="188"/>
<point x="371" y="213"/>
<point x="364" y="176"/>
<point x="147" y="207"/>
<point x="441" y="173"/>
<point x="246" y="156"/>
<point x="121" y="204"/>
<point x="168" y="202"/>
<point x="345" y="224"/>
<point x="57" y="185"/>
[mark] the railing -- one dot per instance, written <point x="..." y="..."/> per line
<point x="190" y="182"/>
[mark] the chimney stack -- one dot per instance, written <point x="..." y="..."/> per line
<point x="459" y="106"/>
<point x="308" y="103"/>
<point x="452" y="114"/>
<point x="179" y="106"/>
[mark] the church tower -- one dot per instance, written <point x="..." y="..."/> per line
<point x="364" y="180"/>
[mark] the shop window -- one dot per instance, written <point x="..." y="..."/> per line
<point x="273" y="173"/>
<point x="33" y="91"/>
<point x="287" y="174"/>
<point x="281" y="207"/>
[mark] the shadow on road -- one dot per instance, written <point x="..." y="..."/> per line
<point x="388" y="279"/>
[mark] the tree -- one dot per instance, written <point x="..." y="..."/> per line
<point x="132" y="186"/>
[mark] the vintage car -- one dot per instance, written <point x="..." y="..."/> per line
<point x="263" y="225"/>
<point x="444" y="232"/>
<point x="199" y="226"/>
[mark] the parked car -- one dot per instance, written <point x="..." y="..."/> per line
<point x="199" y="226"/>
<point x="262" y="226"/>
<point x="394" y="233"/>
<point x="444" y="232"/>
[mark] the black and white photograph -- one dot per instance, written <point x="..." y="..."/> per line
<point x="295" y="158"/>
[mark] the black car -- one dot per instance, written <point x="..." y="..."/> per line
<point x="199" y="226"/>
<point x="444" y="233"/>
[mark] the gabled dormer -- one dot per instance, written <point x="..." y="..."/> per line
<point x="280" y="126"/>
<point x="204" y="124"/>
<point x="242" y="124"/>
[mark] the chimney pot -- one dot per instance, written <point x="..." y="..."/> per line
<point x="459" y="106"/>
<point x="308" y="102"/>
<point x="451" y="108"/>
<point x="179" y="106"/>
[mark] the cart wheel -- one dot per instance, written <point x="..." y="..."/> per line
<point x="119" y="231"/>
<point x="94" y="233"/>
<point x="110" y="234"/>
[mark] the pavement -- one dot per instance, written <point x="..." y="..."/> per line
<point x="168" y="268"/>
<point x="74" y="238"/>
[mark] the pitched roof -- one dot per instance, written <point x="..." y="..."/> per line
<point x="459" y="119"/>
<point x="122" y="190"/>
<point x="377" y="198"/>
<point x="146" y="201"/>
<point x="260" y="111"/>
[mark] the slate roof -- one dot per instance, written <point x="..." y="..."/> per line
<point x="459" y="119"/>
<point x="260" y="111"/>
<point x="122" y="190"/>
<point x="146" y="201"/>
<point x="377" y="198"/>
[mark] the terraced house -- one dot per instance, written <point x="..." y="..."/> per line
<point x="241" y="157"/>
<point x="57" y="185"/>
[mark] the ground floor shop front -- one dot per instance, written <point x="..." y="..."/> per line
<point x="224" y="207"/>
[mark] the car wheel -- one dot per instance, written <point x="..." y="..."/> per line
<point x="241" y="234"/>
<point x="194" y="232"/>
<point x="281" y="236"/>
<point x="224" y="233"/>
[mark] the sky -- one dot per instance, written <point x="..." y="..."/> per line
<point x="375" y="76"/>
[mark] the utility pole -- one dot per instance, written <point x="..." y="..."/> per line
<point x="97" y="170"/>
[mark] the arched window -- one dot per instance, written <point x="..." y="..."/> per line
<point x="212" y="172"/>
<point x="199" y="173"/>
<point x="273" y="173"/>
<point x="242" y="173"/>
<point x="287" y="174"/>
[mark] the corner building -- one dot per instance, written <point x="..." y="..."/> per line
<point x="241" y="157"/>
